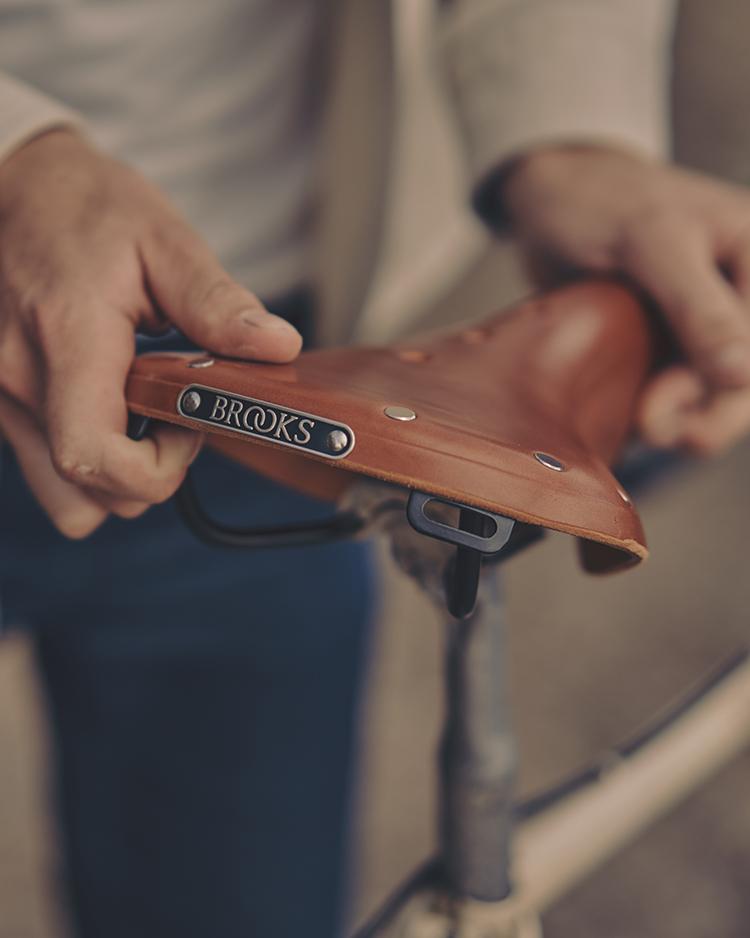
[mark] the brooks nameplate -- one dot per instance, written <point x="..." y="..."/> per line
<point x="265" y="421"/>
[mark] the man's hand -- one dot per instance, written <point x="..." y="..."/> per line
<point x="89" y="252"/>
<point x="685" y="239"/>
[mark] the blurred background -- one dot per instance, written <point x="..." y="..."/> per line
<point x="591" y="659"/>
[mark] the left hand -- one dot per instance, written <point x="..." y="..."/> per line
<point x="685" y="239"/>
<point x="91" y="252"/>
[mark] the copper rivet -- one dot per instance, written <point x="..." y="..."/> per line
<point x="191" y="401"/>
<point x="549" y="461"/>
<point x="399" y="413"/>
<point x="336" y="441"/>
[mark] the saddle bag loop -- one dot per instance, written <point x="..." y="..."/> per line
<point x="479" y="533"/>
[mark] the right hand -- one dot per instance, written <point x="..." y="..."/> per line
<point x="90" y="251"/>
<point x="682" y="237"/>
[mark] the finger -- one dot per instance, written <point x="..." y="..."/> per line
<point x="20" y="367"/>
<point x="715" y="426"/>
<point x="166" y="438"/>
<point x="122" y="507"/>
<point x="678" y="411"/>
<point x="210" y="307"/>
<point x="86" y="416"/>
<point x="667" y="398"/>
<point x="72" y="512"/>
<point x="75" y="512"/>
<point x="676" y="265"/>
<point x="737" y="262"/>
<point x="128" y="509"/>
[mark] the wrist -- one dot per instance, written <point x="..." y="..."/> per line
<point x="548" y="171"/>
<point x="504" y="198"/>
<point x="48" y="151"/>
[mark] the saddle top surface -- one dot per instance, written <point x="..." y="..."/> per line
<point x="521" y="414"/>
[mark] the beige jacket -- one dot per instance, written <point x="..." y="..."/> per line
<point x="431" y="98"/>
<point x="454" y="90"/>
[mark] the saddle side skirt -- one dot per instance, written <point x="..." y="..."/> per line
<point x="557" y="376"/>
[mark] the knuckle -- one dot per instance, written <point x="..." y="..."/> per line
<point x="656" y="205"/>
<point x="40" y="318"/>
<point x="705" y="321"/>
<point x="650" y="225"/>
<point x="706" y="327"/>
<point x="222" y="296"/>
<point x="720" y="331"/>
<point x="72" y="463"/>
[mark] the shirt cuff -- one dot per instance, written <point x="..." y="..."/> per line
<point x="26" y="113"/>
<point x="535" y="73"/>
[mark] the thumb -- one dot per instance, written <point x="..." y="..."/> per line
<point x="211" y="308"/>
<point x="708" y="315"/>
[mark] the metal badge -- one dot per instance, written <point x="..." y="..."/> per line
<point x="261" y="420"/>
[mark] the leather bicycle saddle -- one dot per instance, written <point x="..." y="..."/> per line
<point x="521" y="415"/>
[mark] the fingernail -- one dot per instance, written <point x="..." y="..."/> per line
<point x="264" y="320"/>
<point x="733" y="361"/>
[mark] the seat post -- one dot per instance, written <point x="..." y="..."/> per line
<point x="478" y="753"/>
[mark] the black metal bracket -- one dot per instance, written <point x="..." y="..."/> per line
<point x="137" y="426"/>
<point x="308" y="534"/>
<point x="210" y="531"/>
<point x="485" y="536"/>
<point x="479" y="533"/>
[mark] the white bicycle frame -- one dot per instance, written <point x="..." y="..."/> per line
<point x="561" y="837"/>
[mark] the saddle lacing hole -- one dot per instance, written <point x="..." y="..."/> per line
<point x="413" y="356"/>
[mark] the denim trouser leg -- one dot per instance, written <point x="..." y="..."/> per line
<point x="203" y="706"/>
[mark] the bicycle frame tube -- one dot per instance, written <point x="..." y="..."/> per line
<point x="562" y="844"/>
<point x="478" y="755"/>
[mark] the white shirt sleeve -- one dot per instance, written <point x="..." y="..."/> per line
<point x="533" y="73"/>
<point x="26" y="113"/>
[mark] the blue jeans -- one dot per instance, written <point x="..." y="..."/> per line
<point x="202" y="702"/>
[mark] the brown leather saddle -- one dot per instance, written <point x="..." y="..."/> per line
<point x="520" y="416"/>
